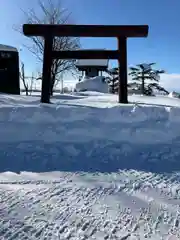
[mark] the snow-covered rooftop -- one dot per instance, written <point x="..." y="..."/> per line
<point x="92" y="62"/>
<point x="7" y="48"/>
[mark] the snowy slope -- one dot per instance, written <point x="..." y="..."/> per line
<point x="87" y="167"/>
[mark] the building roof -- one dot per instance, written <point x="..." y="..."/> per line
<point x="7" y="48"/>
<point x="92" y="62"/>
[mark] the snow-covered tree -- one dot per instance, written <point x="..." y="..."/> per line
<point x="146" y="77"/>
<point x="113" y="80"/>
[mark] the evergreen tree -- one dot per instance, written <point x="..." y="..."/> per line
<point x="144" y="72"/>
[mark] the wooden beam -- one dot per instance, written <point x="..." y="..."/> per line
<point x="46" y="74"/>
<point x="122" y="64"/>
<point x="86" y="54"/>
<point x="86" y="30"/>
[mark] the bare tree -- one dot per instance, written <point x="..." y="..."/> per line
<point x="52" y="13"/>
<point x="32" y="79"/>
<point x="22" y="77"/>
<point x="28" y="81"/>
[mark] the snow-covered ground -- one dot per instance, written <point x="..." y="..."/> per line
<point x="87" y="167"/>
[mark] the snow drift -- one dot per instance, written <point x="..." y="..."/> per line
<point x="93" y="84"/>
<point x="86" y="133"/>
<point x="174" y="95"/>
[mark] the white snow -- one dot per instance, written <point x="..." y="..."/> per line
<point x="86" y="167"/>
<point x="92" y="84"/>
<point x="174" y="94"/>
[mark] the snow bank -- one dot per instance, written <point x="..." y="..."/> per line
<point x="92" y="133"/>
<point x="92" y="84"/>
<point x="174" y="95"/>
<point x="112" y="167"/>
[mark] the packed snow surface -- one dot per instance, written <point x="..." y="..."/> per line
<point x="86" y="167"/>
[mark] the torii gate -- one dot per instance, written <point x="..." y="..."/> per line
<point x="48" y="32"/>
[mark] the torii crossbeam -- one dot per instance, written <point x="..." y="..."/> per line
<point x="48" y="32"/>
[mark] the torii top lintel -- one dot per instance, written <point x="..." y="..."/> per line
<point x="86" y="30"/>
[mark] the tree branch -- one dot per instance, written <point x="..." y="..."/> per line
<point x="52" y="13"/>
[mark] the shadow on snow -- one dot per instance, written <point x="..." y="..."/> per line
<point x="92" y="156"/>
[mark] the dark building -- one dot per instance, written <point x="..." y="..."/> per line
<point x="9" y="70"/>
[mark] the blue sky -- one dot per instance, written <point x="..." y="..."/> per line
<point x="162" y="16"/>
